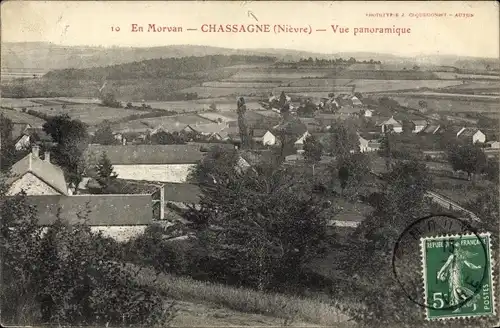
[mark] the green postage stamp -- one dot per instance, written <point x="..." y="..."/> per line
<point x="458" y="278"/>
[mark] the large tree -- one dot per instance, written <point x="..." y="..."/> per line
<point x="105" y="171"/>
<point x="353" y="171"/>
<point x="260" y="226"/>
<point x="313" y="150"/>
<point x="71" y="140"/>
<point x="7" y="144"/>
<point x="242" y="123"/>
<point x="469" y="158"/>
<point x="104" y="134"/>
<point x="342" y="140"/>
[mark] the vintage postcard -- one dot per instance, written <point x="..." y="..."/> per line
<point x="250" y="163"/>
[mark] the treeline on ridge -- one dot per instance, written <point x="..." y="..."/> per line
<point x="161" y="67"/>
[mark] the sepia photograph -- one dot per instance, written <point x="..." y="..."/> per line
<point x="250" y="163"/>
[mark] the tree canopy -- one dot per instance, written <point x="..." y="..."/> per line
<point x="260" y="224"/>
<point x="467" y="157"/>
<point x="71" y="142"/>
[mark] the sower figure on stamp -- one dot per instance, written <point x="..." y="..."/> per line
<point x="453" y="269"/>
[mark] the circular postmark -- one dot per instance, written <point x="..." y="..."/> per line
<point x="441" y="263"/>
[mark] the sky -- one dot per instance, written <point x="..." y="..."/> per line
<point x="91" y="23"/>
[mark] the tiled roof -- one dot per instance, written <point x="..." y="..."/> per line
<point x="51" y="174"/>
<point x="259" y="133"/>
<point x="419" y="122"/>
<point x="102" y="209"/>
<point x="146" y="154"/>
<point x="208" y="128"/>
<point x="430" y="128"/>
<point x="468" y="132"/>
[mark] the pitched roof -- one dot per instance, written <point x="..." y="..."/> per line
<point x="392" y="121"/>
<point x="182" y="192"/>
<point x="103" y="209"/>
<point x="468" y="132"/>
<point x="49" y="173"/>
<point x="259" y="133"/>
<point x="208" y="128"/>
<point x="146" y="154"/>
<point x="419" y="122"/>
<point x="431" y="128"/>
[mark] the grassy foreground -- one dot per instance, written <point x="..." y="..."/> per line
<point x="246" y="300"/>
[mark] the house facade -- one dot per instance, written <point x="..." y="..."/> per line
<point x="299" y="143"/>
<point x="391" y="123"/>
<point x="418" y="125"/>
<point x="157" y="163"/>
<point x="36" y="176"/>
<point x="493" y="144"/>
<point x="472" y="135"/>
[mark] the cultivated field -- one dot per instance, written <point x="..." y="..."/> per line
<point x="33" y="102"/>
<point x="250" y="85"/>
<point x="173" y="123"/>
<point x="90" y="113"/>
<point x="336" y="83"/>
<point x="208" y="92"/>
<point x="224" y="116"/>
<point x="450" y="75"/>
<point x="17" y="103"/>
<point x="387" y="75"/>
<point x="18" y="117"/>
<point x="449" y="104"/>
<point x="366" y="86"/>
<point x="281" y="74"/>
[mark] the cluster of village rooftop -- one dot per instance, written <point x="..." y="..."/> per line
<point x="166" y="167"/>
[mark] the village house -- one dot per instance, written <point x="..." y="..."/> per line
<point x="391" y="124"/>
<point x="493" y="144"/>
<point x="431" y="129"/>
<point x="21" y="121"/>
<point x="418" y="125"/>
<point x="120" y="217"/>
<point x="31" y="136"/>
<point x="472" y="135"/>
<point x="348" y="111"/>
<point x="299" y="143"/>
<point x="368" y="113"/>
<point x="356" y="101"/>
<point x="206" y="129"/>
<point x="162" y="163"/>
<point x="264" y="137"/>
<point x="36" y="176"/>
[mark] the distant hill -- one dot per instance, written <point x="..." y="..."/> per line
<point x="48" y="56"/>
<point x="191" y="68"/>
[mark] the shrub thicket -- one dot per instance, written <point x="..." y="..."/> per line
<point x="68" y="274"/>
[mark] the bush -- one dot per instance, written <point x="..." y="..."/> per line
<point x="68" y="275"/>
<point x="153" y="249"/>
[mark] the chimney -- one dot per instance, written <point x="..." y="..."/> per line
<point x="47" y="157"/>
<point x="35" y="150"/>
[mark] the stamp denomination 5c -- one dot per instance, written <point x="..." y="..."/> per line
<point x="458" y="279"/>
